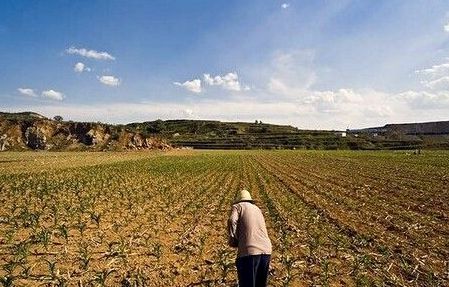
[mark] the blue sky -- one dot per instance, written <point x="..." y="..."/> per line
<point x="311" y="64"/>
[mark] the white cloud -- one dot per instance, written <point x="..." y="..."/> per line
<point x="188" y="113"/>
<point x="194" y="85"/>
<point x="435" y="71"/>
<point x="110" y="81"/>
<point x="27" y="92"/>
<point x="435" y="93"/>
<point x="291" y="73"/>
<point x="378" y="111"/>
<point x="285" y="5"/>
<point x="90" y="53"/>
<point x="438" y="84"/>
<point x="53" y="95"/>
<point x="291" y="78"/>
<point x="425" y="100"/>
<point x="446" y="27"/>
<point x="230" y="81"/>
<point x="436" y="78"/>
<point x="81" y="67"/>
<point x="330" y="101"/>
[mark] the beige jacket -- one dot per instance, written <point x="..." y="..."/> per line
<point x="247" y="230"/>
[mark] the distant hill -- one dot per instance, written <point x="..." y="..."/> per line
<point x="28" y="130"/>
<point x="428" y="128"/>
<point x="428" y="134"/>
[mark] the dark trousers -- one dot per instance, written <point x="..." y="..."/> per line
<point x="252" y="270"/>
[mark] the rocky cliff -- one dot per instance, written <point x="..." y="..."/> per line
<point x="31" y="131"/>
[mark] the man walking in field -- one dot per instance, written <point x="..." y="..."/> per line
<point x="248" y="233"/>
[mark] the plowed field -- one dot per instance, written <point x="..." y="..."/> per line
<point x="159" y="219"/>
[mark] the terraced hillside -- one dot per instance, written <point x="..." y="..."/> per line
<point x="202" y="134"/>
<point x="159" y="218"/>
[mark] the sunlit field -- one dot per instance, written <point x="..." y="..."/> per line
<point x="159" y="218"/>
